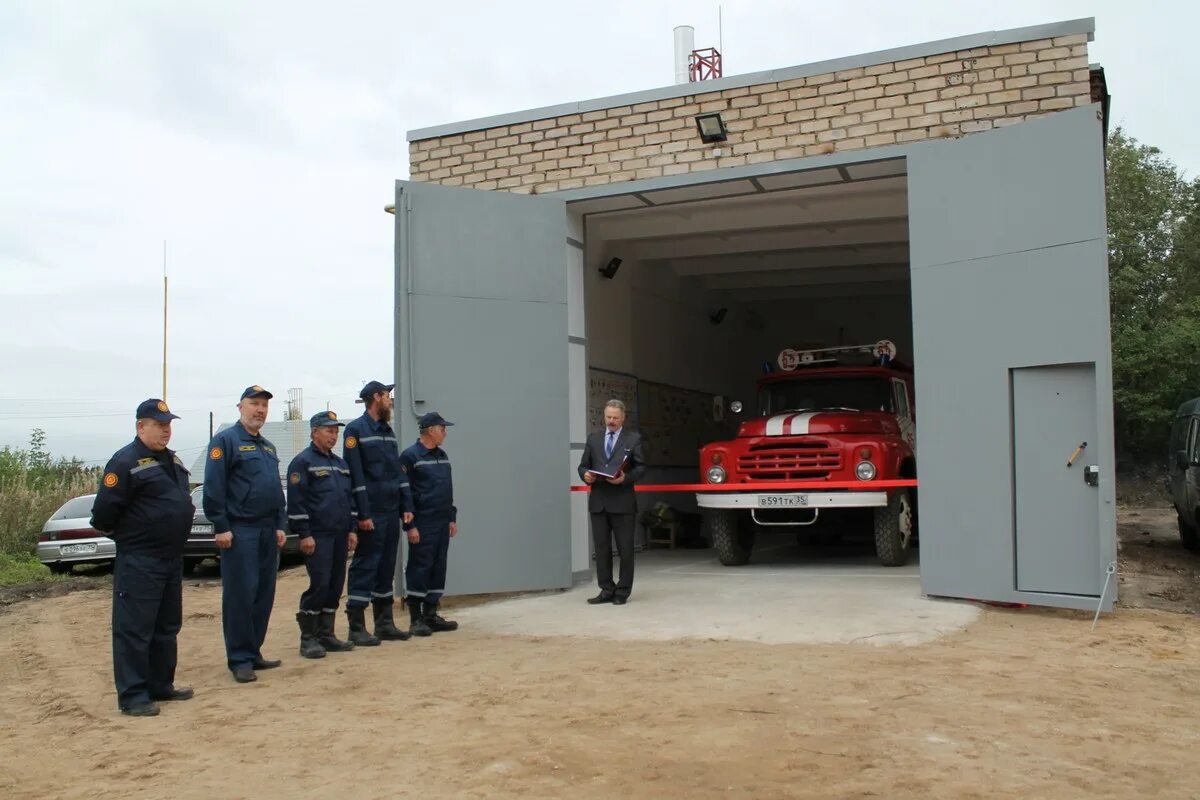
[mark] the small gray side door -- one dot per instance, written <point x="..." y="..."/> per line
<point x="1054" y="424"/>
<point x="481" y="337"/>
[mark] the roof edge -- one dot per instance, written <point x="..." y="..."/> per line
<point x="1051" y="30"/>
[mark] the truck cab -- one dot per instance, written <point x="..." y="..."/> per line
<point x="1183" y="468"/>
<point x="833" y="430"/>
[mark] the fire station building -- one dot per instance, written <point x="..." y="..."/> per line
<point x="664" y="246"/>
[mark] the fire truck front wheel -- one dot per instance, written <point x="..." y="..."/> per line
<point x="732" y="537"/>
<point x="894" y="527"/>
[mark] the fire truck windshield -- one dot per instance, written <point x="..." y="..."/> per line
<point x="827" y="392"/>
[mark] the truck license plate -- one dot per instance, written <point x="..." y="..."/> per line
<point x="77" y="549"/>
<point x="783" y="500"/>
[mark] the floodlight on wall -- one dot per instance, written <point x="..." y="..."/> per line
<point x="711" y="128"/>
<point x="609" y="270"/>
<point x="718" y="316"/>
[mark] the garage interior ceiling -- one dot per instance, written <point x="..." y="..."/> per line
<point x="831" y="232"/>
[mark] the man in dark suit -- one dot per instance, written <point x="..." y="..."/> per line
<point x="612" y="463"/>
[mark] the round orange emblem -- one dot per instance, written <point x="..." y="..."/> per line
<point x="351" y="442"/>
<point x="294" y="477"/>
<point x="162" y="407"/>
<point x="110" y="480"/>
<point x="333" y="416"/>
<point x="215" y="453"/>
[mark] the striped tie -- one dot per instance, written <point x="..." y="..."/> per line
<point x="608" y="445"/>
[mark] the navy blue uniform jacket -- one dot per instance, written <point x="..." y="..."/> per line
<point x="241" y="481"/>
<point x="318" y="494"/>
<point x="143" y="503"/>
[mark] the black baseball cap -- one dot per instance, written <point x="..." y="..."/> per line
<point x="375" y="386"/>
<point x="324" y="419"/>
<point x="155" y="409"/>
<point x="256" y="391"/>
<point x="432" y="419"/>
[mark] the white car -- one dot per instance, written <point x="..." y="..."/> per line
<point x="68" y="537"/>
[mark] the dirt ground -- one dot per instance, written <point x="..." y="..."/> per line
<point x="1024" y="703"/>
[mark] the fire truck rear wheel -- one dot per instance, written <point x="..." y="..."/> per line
<point x="732" y="537"/>
<point x="894" y="527"/>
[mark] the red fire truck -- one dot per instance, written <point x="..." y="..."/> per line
<point x="831" y="425"/>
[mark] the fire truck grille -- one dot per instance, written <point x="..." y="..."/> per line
<point x="802" y="459"/>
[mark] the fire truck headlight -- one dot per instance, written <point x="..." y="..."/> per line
<point x="865" y="471"/>
<point x="715" y="475"/>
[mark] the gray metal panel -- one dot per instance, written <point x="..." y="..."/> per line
<point x="1057" y="516"/>
<point x="1002" y="306"/>
<point x="988" y="39"/>
<point x="482" y="338"/>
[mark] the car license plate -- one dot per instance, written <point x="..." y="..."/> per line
<point x="783" y="500"/>
<point x="202" y="529"/>
<point x="77" y="549"/>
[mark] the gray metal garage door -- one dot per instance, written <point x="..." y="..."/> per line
<point x="1010" y="324"/>
<point x="481" y="334"/>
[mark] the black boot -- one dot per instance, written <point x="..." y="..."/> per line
<point x="417" y="624"/>
<point x="325" y="634"/>
<point x="385" y="626"/>
<point x="436" y="623"/>
<point x="309" y="646"/>
<point x="359" y="634"/>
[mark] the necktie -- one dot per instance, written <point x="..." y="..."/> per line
<point x="608" y="445"/>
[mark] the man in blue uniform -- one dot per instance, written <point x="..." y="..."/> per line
<point x="321" y="514"/>
<point x="381" y="498"/>
<point x="143" y="505"/>
<point x="434" y="524"/>
<point x="243" y="497"/>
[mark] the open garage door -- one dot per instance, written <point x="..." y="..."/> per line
<point x="1010" y="327"/>
<point x="481" y="336"/>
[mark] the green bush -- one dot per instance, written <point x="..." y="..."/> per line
<point x="32" y="487"/>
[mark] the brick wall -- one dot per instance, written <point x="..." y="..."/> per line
<point x="951" y="94"/>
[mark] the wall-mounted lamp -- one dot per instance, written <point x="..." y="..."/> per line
<point x="718" y="316"/>
<point x="610" y="269"/>
<point x="711" y="128"/>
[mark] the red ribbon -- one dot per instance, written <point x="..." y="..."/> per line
<point x="768" y="486"/>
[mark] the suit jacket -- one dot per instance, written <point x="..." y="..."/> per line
<point x="604" y="496"/>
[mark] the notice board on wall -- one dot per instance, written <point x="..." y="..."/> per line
<point x="605" y="385"/>
<point x="677" y="422"/>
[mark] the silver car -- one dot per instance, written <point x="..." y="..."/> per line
<point x="68" y="537"/>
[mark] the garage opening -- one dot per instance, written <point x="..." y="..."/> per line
<point x="691" y="294"/>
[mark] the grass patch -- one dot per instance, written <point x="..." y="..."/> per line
<point x="16" y="570"/>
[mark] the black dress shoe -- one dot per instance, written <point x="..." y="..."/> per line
<point x="603" y="597"/>
<point x="267" y="663"/>
<point x="620" y="601"/>
<point x="175" y="694"/>
<point x="141" y="710"/>
<point x="244" y="675"/>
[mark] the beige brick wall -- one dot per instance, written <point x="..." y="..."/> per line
<point x="951" y="94"/>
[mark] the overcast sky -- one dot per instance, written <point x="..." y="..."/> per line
<point x="261" y="139"/>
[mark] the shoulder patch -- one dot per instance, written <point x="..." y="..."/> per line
<point x="294" y="477"/>
<point x="351" y="442"/>
<point x="111" y="480"/>
<point x="215" y="454"/>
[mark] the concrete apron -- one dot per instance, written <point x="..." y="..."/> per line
<point x="787" y="594"/>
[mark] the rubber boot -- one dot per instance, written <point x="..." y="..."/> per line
<point x="436" y="623"/>
<point x="417" y="625"/>
<point x="326" y="637"/>
<point x="385" y="626"/>
<point x="359" y="635"/>
<point x="309" y="646"/>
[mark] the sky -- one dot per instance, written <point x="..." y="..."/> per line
<point x="260" y="142"/>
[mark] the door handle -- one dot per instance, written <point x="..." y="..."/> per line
<point x="1091" y="475"/>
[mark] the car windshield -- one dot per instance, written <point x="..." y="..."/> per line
<point x="828" y="392"/>
<point x="76" y="508"/>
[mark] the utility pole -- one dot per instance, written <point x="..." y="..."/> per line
<point x="164" y="375"/>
